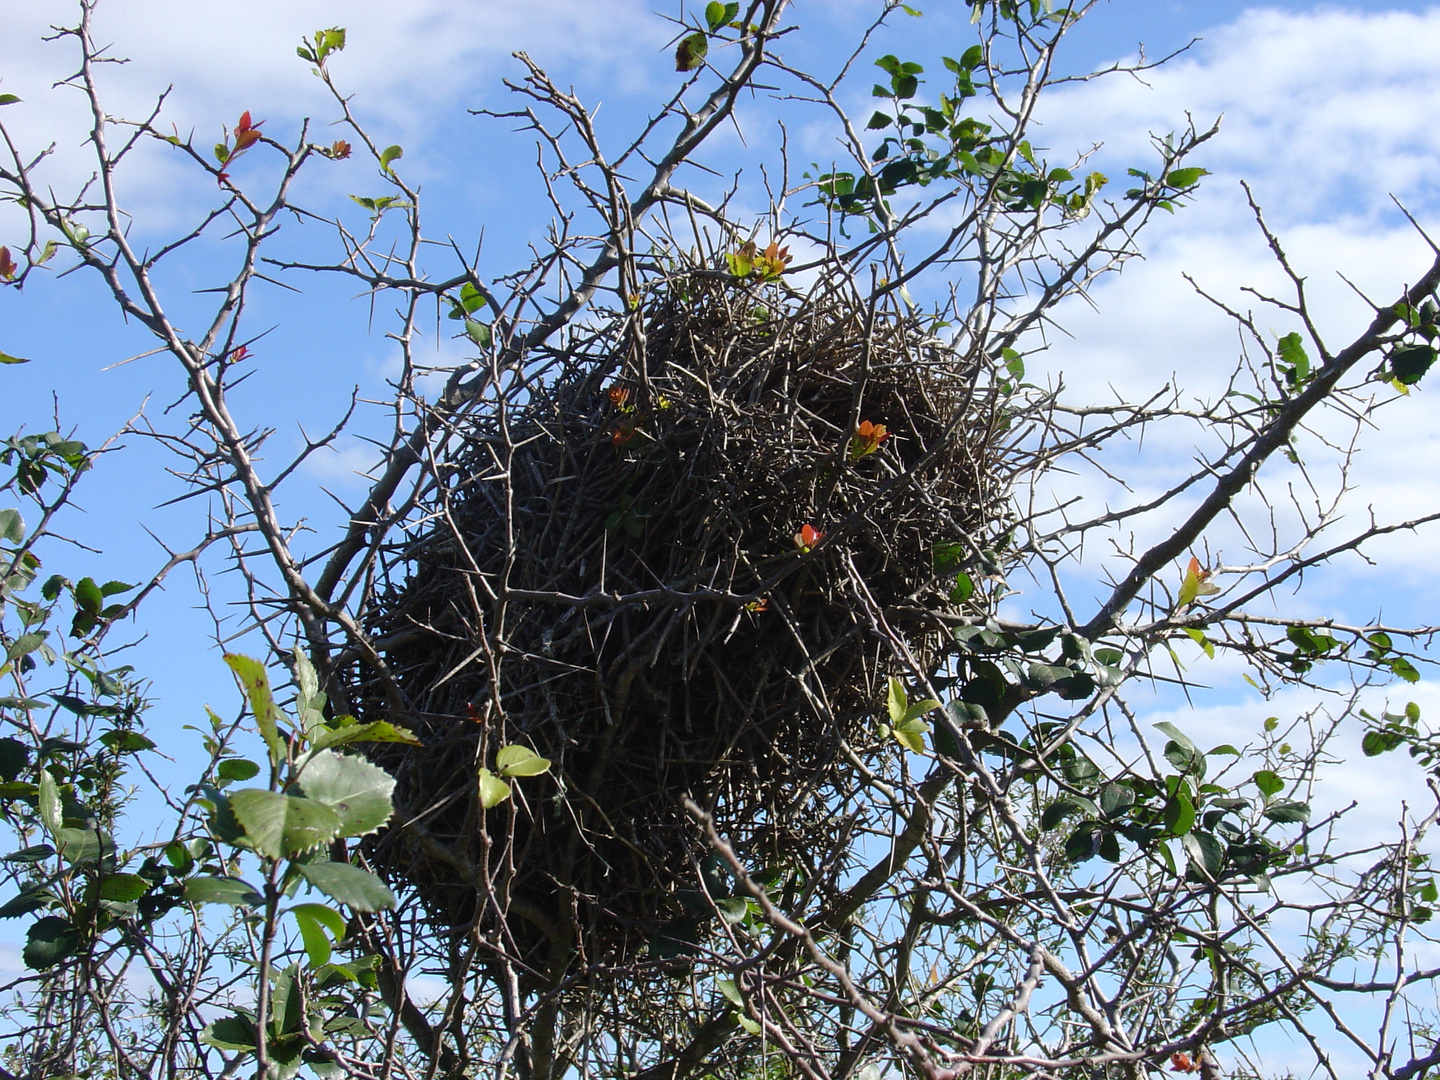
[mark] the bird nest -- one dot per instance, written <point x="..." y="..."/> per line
<point x="686" y="566"/>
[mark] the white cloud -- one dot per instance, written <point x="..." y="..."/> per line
<point x="413" y="68"/>
<point x="1326" y="114"/>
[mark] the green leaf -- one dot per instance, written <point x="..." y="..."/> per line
<point x="12" y="526"/>
<point x="1058" y="810"/>
<point x="1044" y="676"/>
<point x="218" y="890"/>
<point x="493" y="790"/>
<point x="8" y="99"/>
<point x="1376" y="743"/>
<point x="30" y="898"/>
<point x="714" y="15"/>
<point x="690" y="52"/>
<point x="234" y="1032"/>
<point x="1198" y="636"/>
<point x="49" y="803"/>
<point x="1269" y="783"/>
<point x="50" y="940"/>
<point x="1083" y="844"/>
<point x="83" y="846"/>
<point x="478" y="332"/>
<point x="1179" y="813"/>
<point x="326" y="916"/>
<point x="1409" y="363"/>
<point x="1206" y="853"/>
<point x="1292" y="353"/>
<point x="123" y="887"/>
<point x="731" y="992"/>
<point x="1178" y="735"/>
<point x="1288" y="812"/>
<point x="6" y="358"/>
<point x="917" y="709"/>
<point x="279" y="826"/>
<point x="471" y="301"/>
<point x="1184" y="178"/>
<point x="896" y="700"/>
<point x="517" y="760"/>
<point x="313" y="920"/>
<point x="1115" y="799"/>
<point x="236" y="769"/>
<point x="14" y="756"/>
<point x="256" y="683"/>
<point x="309" y="701"/>
<point x="389" y="154"/>
<point x="375" y="731"/>
<point x="911" y="735"/>
<point x="32" y="854"/>
<point x="1403" y="669"/>
<point x="350" y="885"/>
<point x="126" y="742"/>
<point x="357" y="791"/>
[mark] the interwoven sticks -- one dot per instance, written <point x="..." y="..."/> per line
<point x="613" y="577"/>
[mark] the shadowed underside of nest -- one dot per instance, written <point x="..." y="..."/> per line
<point x="611" y="576"/>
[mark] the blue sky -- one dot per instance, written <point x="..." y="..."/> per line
<point x="1329" y="111"/>
<point x="1327" y="114"/>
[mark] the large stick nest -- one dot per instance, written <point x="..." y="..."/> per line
<point x="610" y="576"/>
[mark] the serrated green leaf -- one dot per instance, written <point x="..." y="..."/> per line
<point x="357" y="791"/>
<point x="12" y="526"/>
<point x="1288" y="812"/>
<point x="234" y="1032"/>
<point x="350" y="885"/>
<point x="49" y="941"/>
<point x="280" y="826"/>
